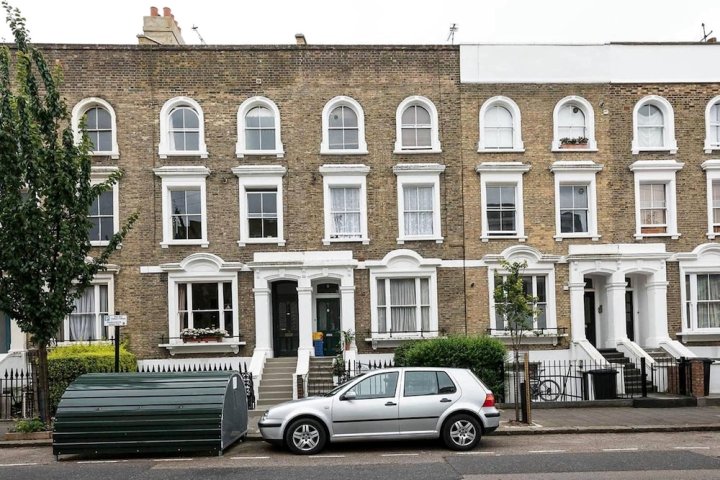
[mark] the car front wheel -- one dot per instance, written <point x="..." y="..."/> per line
<point x="305" y="437"/>
<point x="461" y="432"/>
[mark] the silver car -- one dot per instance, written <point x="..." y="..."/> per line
<point x="393" y="403"/>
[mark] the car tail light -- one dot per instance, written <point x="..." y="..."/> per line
<point x="489" y="400"/>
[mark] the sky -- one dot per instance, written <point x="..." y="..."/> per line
<point x="241" y="22"/>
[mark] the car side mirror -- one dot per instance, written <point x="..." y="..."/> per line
<point x="350" y="395"/>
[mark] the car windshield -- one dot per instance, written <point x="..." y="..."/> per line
<point x="340" y="387"/>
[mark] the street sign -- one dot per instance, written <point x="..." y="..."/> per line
<point x="115" y="320"/>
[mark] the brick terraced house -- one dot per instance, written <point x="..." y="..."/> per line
<point x="288" y="190"/>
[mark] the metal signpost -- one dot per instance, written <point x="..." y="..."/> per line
<point x="116" y="321"/>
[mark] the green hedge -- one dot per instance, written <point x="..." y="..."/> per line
<point x="483" y="355"/>
<point x="67" y="363"/>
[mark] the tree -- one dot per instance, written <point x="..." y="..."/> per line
<point x="45" y="195"/>
<point x="517" y="309"/>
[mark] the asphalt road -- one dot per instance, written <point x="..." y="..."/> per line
<point x="647" y="456"/>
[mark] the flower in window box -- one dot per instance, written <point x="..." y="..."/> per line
<point x="195" y="335"/>
<point x="573" y="142"/>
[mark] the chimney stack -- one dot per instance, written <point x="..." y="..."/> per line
<point x="300" y="39"/>
<point x="160" y="30"/>
<point x="712" y="40"/>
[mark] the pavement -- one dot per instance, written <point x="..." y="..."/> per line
<point x="553" y="421"/>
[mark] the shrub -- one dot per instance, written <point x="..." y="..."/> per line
<point x="66" y="363"/>
<point x="481" y="354"/>
<point x="29" y="425"/>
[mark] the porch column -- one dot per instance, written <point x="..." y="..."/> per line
<point x="617" y="330"/>
<point x="657" y="327"/>
<point x="577" y="310"/>
<point x="17" y="338"/>
<point x="347" y="316"/>
<point x="305" y="291"/>
<point x="263" y="323"/>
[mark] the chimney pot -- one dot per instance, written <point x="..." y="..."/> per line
<point x="154" y="12"/>
<point x="300" y="39"/>
<point x="167" y="12"/>
<point x="712" y="40"/>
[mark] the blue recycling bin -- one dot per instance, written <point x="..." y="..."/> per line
<point x="319" y="346"/>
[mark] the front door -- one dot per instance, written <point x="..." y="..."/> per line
<point x="286" y="324"/>
<point x="590" y="333"/>
<point x="629" y="314"/>
<point x="328" y="322"/>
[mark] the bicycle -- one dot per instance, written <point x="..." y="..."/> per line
<point x="547" y="389"/>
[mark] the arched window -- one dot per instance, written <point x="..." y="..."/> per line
<point x="417" y="126"/>
<point x="500" y="126"/>
<point x="712" y="122"/>
<point x="182" y="129"/>
<point x="573" y="125"/>
<point x="258" y="128"/>
<point x="100" y="126"/>
<point x="653" y="126"/>
<point x="343" y="122"/>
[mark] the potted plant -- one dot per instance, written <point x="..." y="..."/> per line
<point x="205" y="335"/>
<point x="338" y="369"/>
<point x="348" y="336"/>
<point x="573" y="142"/>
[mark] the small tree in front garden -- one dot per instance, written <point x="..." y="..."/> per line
<point x="517" y="310"/>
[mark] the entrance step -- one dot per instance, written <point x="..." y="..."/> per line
<point x="320" y="376"/>
<point x="276" y="384"/>
<point x="632" y="376"/>
<point x="659" y="354"/>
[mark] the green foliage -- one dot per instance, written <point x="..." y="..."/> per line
<point x="29" y="425"/>
<point x="511" y="301"/>
<point x="482" y="354"/>
<point x="67" y="363"/>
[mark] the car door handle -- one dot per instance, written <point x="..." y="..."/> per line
<point x="390" y="404"/>
<point x="445" y="400"/>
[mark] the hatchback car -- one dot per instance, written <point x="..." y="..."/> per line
<point x="395" y="403"/>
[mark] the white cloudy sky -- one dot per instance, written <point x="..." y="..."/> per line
<point x="376" y="21"/>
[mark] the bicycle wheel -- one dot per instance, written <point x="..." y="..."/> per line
<point x="549" y="390"/>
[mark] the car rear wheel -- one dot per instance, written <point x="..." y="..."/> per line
<point x="461" y="432"/>
<point x="305" y="437"/>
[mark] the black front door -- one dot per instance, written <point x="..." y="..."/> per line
<point x="629" y="315"/>
<point x="328" y="322"/>
<point x="286" y="328"/>
<point x="590" y="318"/>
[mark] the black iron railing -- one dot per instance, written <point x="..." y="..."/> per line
<point x="218" y="339"/>
<point x="547" y="331"/>
<point x="16" y="394"/>
<point x="343" y="372"/>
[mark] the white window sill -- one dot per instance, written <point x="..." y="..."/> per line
<point x="711" y="148"/>
<point x="363" y="240"/>
<point x="266" y="241"/>
<point x="519" y="238"/>
<point x="640" y="236"/>
<point x="114" y="154"/>
<point x="99" y="243"/>
<point x="343" y="152"/>
<point x="243" y="153"/>
<point x="417" y="152"/>
<point x="636" y="151"/>
<point x="709" y="335"/>
<point x="713" y="235"/>
<point x="401" y="241"/>
<point x="183" y="153"/>
<point x="561" y="237"/>
<point x="501" y="150"/>
<point x="531" y="338"/>
<point x="101" y="341"/>
<point x="200" y="243"/>
<point x="202" y="347"/>
<point x="573" y="150"/>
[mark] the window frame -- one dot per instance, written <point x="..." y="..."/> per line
<point x="347" y="176"/>
<point x="582" y="172"/>
<point x="403" y="264"/>
<point x="712" y="176"/>
<point x="419" y="174"/>
<point x="100" y="175"/>
<point x="79" y="111"/>
<point x="709" y="145"/>
<point x="354" y="105"/>
<point x="106" y="278"/>
<point x="253" y="177"/>
<point x="181" y="178"/>
<point x="164" y="149"/>
<point x="241" y="149"/>
<point x="417" y="100"/>
<point x="669" y="143"/>
<point x="655" y="172"/>
<point x="691" y="324"/>
<point x="587" y="109"/>
<point x="502" y="173"/>
<point x="517" y="146"/>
